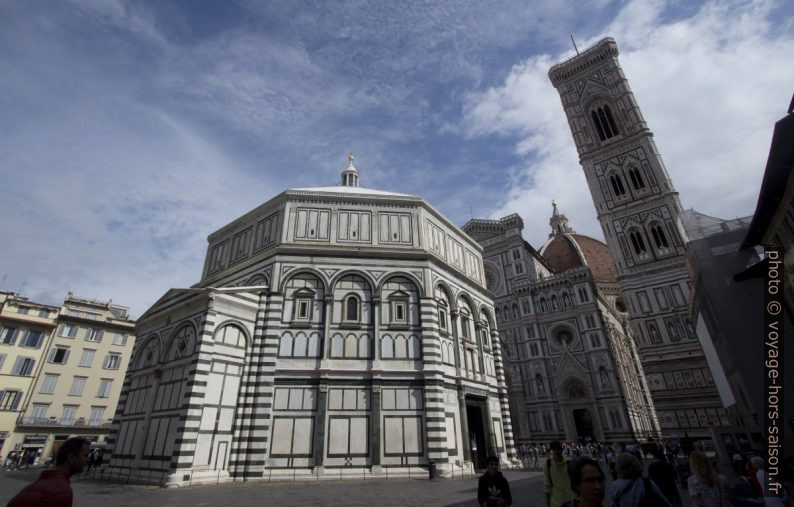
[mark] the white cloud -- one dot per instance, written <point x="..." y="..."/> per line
<point x="710" y="87"/>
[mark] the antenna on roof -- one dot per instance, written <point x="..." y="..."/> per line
<point x="471" y="212"/>
<point x="574" y="44"/>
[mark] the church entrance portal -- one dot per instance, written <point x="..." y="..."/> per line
<point x="584" y="424"/>
<point x="477" y="437"/>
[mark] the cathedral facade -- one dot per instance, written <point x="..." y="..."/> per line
<point x="571" y="361"/>
<point x="335" y="331"/>
<point x="641" y="217"/>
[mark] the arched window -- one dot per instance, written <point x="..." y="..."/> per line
<point x="443" y="309"/>
<point x="637" y="242"/>
<point x="672" y="331"/>
<point x="351" y="306"/>
<point x="659" y="238"/>
<point x="604" y="122"/>
<point x="636" y="178"/>
<point x="617" y="185"/>
<point x="465" y="322"/>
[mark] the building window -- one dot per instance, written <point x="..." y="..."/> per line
<point x="119" y="339"/>
<point x="10" y="398"/>
<point x="617" y="185"/>
<point x="44" y="313"/>
<point x="2" y="360"/>
<point x="519" y="267"/>
<point x="351" y="309"/>
<point x="583" y="297"/>
<point x="442" y="319"/>
<point x="464" y="325"/>
<point x="533" y="349"/>
<point x="23" y="366"/>
<point x="659" y="238"/>
<point x="595" y="340"/>
<point x="636" y="178"/>
<point x="303" y="307"/>
<point x="112" y="362"/>
<point x="67" y="330"/>
<point x="398" y="312"/>
<point x="59" y="355"/>
<point x="87" y="358"/>
<point x="48" y="384"/>
<point x="604" y="122"/>
<point x="69" y="412"/>
<point x="637" y="242"/>
<point x="23" y="310"/>
<point x="104" y="388"/>
<point x="516" y="254"/>
<point x="94" y="335"/>
<point x="39" y="411"/>
<point x="8" y="336"/>
<point x="96" y="416"/>
<point x="32" y="340"/>
<point x="78" y="384"/>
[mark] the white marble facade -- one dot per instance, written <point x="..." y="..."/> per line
<point x="335" y="330"/>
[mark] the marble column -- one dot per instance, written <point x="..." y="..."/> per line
<point x="374" y="428"/>
<point x="464" y="426"/>
<point x="319" y="427"/>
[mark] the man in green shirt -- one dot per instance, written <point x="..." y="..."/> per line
<point x="556" y="479"/>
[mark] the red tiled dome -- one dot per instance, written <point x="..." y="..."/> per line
<point x="568" y="251"/>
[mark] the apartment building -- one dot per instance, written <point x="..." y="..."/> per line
<point x="77" y="379"/>
<point x="25" y="330"/>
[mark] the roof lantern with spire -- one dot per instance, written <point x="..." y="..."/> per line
<point x="559" y="222"/>
<point x="350" y="175"/>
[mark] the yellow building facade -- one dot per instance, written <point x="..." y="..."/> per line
<point x="70" y="383"/>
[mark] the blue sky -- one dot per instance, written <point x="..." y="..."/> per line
<point x="131" y="130"/>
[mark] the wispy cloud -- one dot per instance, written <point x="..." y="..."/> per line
<point x="710" y="86"/>
<point x="132" y="130"/>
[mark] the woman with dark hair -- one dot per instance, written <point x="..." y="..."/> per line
<point x="665" y="476"/>
<point x="587" y="481"/>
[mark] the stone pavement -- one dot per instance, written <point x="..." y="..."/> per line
<point x="525" y="485"/>
<point x="527" y="488"/>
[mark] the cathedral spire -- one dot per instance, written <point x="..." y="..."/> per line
<point x="559" y="222"/>
<point x="350" y="175"/>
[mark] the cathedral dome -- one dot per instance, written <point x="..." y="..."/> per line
<point x="567" y="250"/>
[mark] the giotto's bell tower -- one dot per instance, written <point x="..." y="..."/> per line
<point x="640" y="215"/>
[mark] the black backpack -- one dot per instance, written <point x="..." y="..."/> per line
<point x="649" y="497"/>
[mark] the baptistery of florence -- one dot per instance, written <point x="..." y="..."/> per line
<point x="336" y="331"/>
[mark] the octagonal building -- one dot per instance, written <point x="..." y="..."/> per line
<point x="336" y="331"/>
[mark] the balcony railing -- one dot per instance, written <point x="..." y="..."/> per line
<point x="63" y="421"/>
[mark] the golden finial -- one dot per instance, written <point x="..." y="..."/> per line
<point x="553" y="203"/>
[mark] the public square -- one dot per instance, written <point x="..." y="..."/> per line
<point x="526" y="486"/>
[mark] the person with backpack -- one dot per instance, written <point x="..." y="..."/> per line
<point x="631" y="489"/>
<point x="556" y="477"/>
<point x="664" y="475"/>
